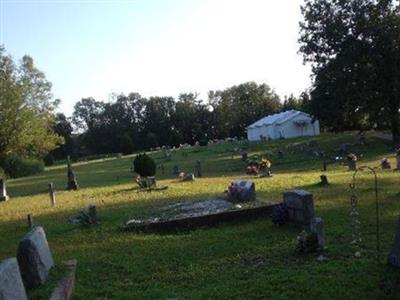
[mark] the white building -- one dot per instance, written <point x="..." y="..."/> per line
<point x="288" y="124"/>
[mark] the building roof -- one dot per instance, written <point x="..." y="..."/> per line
<point x="278" y="119"/>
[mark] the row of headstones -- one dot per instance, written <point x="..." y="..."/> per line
<point x="72" y="184"/>
<point x="29" y="269"/>
<point x="5" y="197"/>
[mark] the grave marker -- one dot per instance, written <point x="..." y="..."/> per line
<point x="11" y="285"/>
<point x="317" y="227"/>
<point x="34" y="258"/>
<point x="398" y="160"/>
<point x="199" y="172"/>
<point x="30" y="221"/>
<point x="300" y="206"/>
<point x="52" y="194"/>
<point x="242" y="190"/>
<point x="3" y="190"/>
<point x="72" y="182"/>
<point x="394" y="256"/>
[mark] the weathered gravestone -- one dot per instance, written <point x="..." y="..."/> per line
<point x="3" y="191"/>
<point x="245" y="190"/>
<point x="394" y="256"/>
<point x="317" y="227"/>
<point x="52" y="194"/>
<point x="198" y="168"/>
<point x="324" y="180"/>
<point x="72" y="182"/>
<point x="11" y="285"/>
<point x="34" y="258"/>
<point x="300" y="206"/>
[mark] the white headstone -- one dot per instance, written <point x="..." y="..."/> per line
<point x="3" y="190"/>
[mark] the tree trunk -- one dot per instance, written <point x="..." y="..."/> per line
<point x="395" y="124"/>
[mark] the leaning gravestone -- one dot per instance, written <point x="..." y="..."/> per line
<point x="300" y="206"/>
<point x="3" y="191"/>
<point x="11" y="285"/>
<point x="34" y="258"/>
<point x="394" y="256"/>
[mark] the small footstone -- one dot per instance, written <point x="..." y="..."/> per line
<point x="34" y="258"/>
<point x="11" y="285"/>
<point x="65" y="286"/>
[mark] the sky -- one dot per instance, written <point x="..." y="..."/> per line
<point x="156" y="47"/>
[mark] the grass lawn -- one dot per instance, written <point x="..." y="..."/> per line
<point x="245" y="260"/>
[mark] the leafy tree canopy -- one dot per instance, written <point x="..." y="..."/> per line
<point x="26" y="109"/>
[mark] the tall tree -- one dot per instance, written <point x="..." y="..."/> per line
<point x="26" y="109"/>
<point x="239" y="106"/>
<point x="354" y="49"/>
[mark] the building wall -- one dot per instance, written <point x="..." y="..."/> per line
<point x="290" y="129"/>
<point x="286" y="130"/>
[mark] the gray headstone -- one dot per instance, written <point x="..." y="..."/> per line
<point x="394" y="256"/>
<point x="198" y="168"/>
<point x="3" y="190"/>
<point x="34" y="258"/>
<point x="398" y="162"/>
<point x="11" y="285"/>
<point x="300" y="205"/>
<point x="72" y="183"/>
<point x="247" y="190"/>
<point x="317" y="227"/>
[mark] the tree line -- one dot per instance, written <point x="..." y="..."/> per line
<point x="353" y="47"/>
<point x="132" y="122"/>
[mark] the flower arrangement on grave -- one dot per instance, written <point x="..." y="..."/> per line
<point x="252" y="168"/>
<point x="307" y="242"/>
<point x="280" y="214"/>
<point x="233" y="191"/>
<point x="265" y="164"/>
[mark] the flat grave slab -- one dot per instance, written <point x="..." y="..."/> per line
<point x="191" y="215"/>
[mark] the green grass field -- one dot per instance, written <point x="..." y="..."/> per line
<point x="245" y="260"/>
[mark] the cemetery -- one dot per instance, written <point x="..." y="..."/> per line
<point x="197" y="224"/>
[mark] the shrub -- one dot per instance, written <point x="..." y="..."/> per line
<point x="15" y="166"/>
<point x="203" y="142"/>
<point x="144" y="165"/>
<point x="49" y="160"/>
